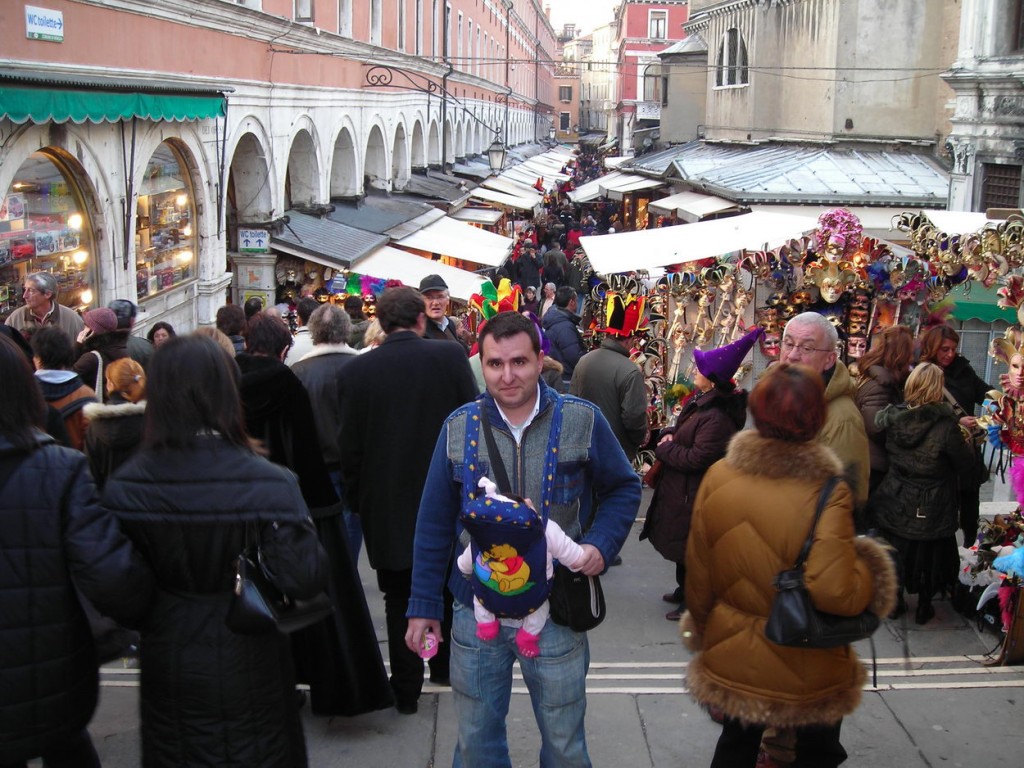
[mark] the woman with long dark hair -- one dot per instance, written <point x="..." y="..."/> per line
<point x="753" y="512"/>
<point x="210" y="696"/>
<point x="882" y="371"/>
<point x="54" y="536"/>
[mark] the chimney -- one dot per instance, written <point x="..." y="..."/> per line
<point x="547" y="12"/>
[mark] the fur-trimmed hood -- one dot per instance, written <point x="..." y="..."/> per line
<point x="319" y="350"/>
<point x="753" y="454"/>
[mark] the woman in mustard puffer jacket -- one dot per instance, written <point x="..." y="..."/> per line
<point x="753" y="512"/>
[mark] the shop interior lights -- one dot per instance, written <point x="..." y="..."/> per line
<point x="75" y="221"/>
<point x="80" y="257"/>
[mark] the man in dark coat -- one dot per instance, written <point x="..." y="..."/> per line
<point x="528" y="267"/>
<point x="615" y="384"/>
<point x="561" y="325"/>
<point x="439" y="325"/>
<point x="319" y="371"/>
<point x="394" y="401"/>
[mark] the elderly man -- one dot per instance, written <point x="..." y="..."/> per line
<point x="42" y="308"/>
<point x="319" y="370"/>
<point x="810" y="339"/>
<point x="521" y="411"/>
<point x="439" y="325"/>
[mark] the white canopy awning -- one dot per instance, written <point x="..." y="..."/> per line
<point x="592" y="189"/>
<point x="515" y="188"/>
<point x="649" y="248"/>
<point x="390" y="263"/>
<point x="523" y="176"/>
<point x="501" y="198"/>
<point x="459" y="240"/>
<point x="691" y="206"/>
<point x="548" y="172"/>
<point x="487" y="216"/>
<point x="626" y="183"/>
<point x="957" y="222"/>
<point x="615" y="162"/>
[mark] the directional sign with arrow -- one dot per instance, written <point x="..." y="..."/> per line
<point x="253" y="240"/>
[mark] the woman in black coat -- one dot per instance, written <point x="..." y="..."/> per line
<point x="52" y="531"/>
<point x="210" y="696"/>
<point x="709" y="418"/>
<point x="916" y="504"/>
<point x="939" y="345"/>
<point x="338" y="657"/>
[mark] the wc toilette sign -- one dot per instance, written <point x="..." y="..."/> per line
<point x="44" y="24"/>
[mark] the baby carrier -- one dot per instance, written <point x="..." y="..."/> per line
<point x="507" y="538"/>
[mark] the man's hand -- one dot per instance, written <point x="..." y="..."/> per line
<point x="592" y="563"/>
<point x="414" y="634"/>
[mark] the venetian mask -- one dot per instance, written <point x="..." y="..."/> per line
<point x="771" y="344"/>
<point x="856" y="346"/>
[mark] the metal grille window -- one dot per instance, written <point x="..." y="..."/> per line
<point x="731" y="62"/>
<point x="1000" y="186"/>
<point x="563" y="121"/>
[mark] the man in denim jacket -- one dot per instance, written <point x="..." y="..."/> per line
<point x="591" y="467"/>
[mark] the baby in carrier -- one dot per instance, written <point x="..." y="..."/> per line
<point x="509" y="544"/>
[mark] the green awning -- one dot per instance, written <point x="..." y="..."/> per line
<point x="58" y="105"/>
<point x="973" y="301"/>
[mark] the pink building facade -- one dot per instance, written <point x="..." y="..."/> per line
<point x="643" y="29"/>
<point x="140" y="140"/>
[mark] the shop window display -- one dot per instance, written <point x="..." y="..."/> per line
<point x="43" y="229"/>
<point x="165" y="241"/>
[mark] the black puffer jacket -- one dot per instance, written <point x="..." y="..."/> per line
<point x="918" y="499"/>
<point x="209" y="696"/>
<point x="52" y="529"/>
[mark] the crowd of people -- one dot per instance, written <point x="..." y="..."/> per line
<point x="136" y="470"/>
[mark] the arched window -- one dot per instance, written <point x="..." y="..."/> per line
<point x="45" y="227"/>
<point x="165" y="237"/>
<point x="731" y="62"/>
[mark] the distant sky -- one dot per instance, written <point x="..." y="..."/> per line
<point x="586" y="14"/>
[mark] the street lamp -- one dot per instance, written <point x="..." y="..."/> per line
<point x="496" y="155"/>
<point x="551" y="132"/>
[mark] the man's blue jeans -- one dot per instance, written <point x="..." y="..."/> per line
<point x="481" y="673"/>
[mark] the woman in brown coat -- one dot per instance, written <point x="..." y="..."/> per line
<point x="752" y="515"/>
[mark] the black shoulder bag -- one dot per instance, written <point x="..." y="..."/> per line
<point x="795" y="621"/>
<point x="576" y="600"/>
<point x="258" y="606"/>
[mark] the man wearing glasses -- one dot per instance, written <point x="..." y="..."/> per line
<point x="439" y="325"/>
<point x="42" y="308"/>
<point x="810" y="339"/>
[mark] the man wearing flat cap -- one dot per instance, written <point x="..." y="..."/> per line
<point x="439" y="325"/>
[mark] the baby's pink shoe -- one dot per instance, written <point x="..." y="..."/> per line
<point x="527" y="643"/>
<point x="488" y="630"/>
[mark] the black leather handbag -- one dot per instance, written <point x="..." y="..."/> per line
<point x="576" y="601"/>
<point x="794" y="620"/>
<point x="258" y="606"/>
